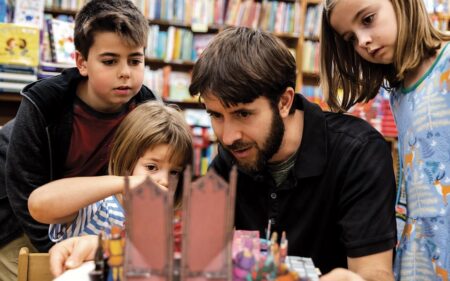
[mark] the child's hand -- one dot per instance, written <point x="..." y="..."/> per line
<point x="71" y="253"/>
<point x="135" y="181"/>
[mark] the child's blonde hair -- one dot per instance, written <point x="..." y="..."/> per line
<point x="360" y="80"/>
<point x="148" y="125"/>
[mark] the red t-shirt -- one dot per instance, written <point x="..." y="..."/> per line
<point x="92" y="133"/>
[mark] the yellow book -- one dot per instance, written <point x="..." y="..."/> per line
<point x="177" y="44"/>
<point x="19" y="44"/>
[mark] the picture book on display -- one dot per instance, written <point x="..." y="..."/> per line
<point x="29" y="12"/>
<point x="61" y="41"/>
<point x="19" y="45"/>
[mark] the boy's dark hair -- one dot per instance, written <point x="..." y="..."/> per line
<point x="119" y="16"/>
<point x="241" y="64"/>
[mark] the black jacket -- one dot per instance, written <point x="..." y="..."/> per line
<point x="39" y="145"/>
<point x="337" y="201"/>
<point x="10" y="229"/>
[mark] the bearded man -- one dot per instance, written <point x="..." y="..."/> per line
<point x="325" y="178"/>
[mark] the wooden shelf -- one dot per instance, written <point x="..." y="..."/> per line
<point x="311" y="75"/>
<point x="166" y="23"/>
<point x="186" y="104"/>
<point x="10" y="97"/>
<point x="58" y="11"/>
<point x="284" y="35"/>
<point x="315" y="2"/>
<point x="176" y="65"/>
<point x="9" y="104"/>
<point x="312" y="38"/>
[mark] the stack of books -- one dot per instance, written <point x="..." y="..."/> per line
<point x="19" y="57"/>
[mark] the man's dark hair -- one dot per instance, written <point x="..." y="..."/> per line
<point x="241" y="64"/>
<point x="119" y="16"/>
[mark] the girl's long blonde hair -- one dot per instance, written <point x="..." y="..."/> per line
<point x="342" y="68"/>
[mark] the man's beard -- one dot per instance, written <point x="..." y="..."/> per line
<point x="270" y="146"/>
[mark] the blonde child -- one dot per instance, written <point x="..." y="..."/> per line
<point x="153" y="140"/>
<point x="368" y="44"/>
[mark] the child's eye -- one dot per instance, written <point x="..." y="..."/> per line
<point x="368" y="20"/>
<point x="175" y="173"/>
<point x="135" y="62"/>
<point x="214" y="115"/>
<point x="151" y="167"/>
<point x="108" y="62"/>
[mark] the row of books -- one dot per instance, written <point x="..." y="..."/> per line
<point x="273" y="16"/>
<point x="169" y="84"/>
<point x="14" y="77"/>
<point x="203" y="12"/>
<point x="311" y="58"/>
<point x="19" y="57"/>
<point x="313" y="21"/>
<point x="376" y="112"/>
<point x="23" y="12"/>
<point x="71" y="5"/>
<point x="175" y="44"/>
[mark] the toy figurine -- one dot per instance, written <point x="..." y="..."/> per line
<point x="116" y="254"/>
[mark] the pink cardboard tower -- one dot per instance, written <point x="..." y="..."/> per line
<point x="149" y="244"/>
<point x="208" y="218"/>
<point x="207" y="230"/>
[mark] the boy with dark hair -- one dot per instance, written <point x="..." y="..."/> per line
<point x="64" y="124"/>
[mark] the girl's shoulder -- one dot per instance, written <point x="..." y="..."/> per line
<point x="439" y="63"/>
<point x="443" y="57"/>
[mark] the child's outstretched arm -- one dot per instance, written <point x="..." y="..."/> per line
<point x="59" y="201"/>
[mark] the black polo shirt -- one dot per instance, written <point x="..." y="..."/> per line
<point x="337" y="201"/>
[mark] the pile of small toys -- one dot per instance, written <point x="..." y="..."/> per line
<point x="204" y="247"/>
<point x="254" y="259"/>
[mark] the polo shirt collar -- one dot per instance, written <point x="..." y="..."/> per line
<point x="312" y="154"/>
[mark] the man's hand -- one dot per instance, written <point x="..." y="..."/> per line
<point x="341" y="274"/>
<point x="71" y="253"/>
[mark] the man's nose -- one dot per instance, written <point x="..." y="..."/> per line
<point x="230" y="133"/>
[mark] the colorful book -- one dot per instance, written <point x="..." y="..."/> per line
<point x="19" y="44"/>
<point x="29" y="12"/>
<point x="62" y="41"/>
<point x="179" y="86"/>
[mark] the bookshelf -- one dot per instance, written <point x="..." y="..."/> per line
<point x="223" y="14"/>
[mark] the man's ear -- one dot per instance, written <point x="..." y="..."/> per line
<point x="286" y="101"/>
<point x="81" y="63"/>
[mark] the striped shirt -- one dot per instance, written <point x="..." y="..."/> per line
<point x="93" y="219"/>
